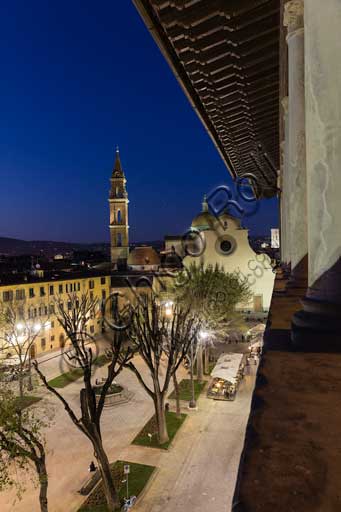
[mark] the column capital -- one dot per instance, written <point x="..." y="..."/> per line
<point x="293" y="15"/>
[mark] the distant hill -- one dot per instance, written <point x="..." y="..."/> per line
<point x="16" y="247"/>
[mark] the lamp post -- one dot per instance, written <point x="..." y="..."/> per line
<point x="192" y="403"/>
<point x="36" y="329"/>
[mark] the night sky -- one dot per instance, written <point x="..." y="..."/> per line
<point x="77" y="78"/>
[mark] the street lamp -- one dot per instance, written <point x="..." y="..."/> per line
<point x="203" y="335"/>
<point x="36" y="329"/>
<point x="192" y="403"/>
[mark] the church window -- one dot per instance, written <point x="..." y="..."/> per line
<point x="119" y="239"/>
<point x="119" y="216"/>
<point x="225" y="246"/>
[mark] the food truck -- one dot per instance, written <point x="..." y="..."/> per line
<point x="226" y="376"/>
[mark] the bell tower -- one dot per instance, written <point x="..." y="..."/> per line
<point x="118" y="203"/>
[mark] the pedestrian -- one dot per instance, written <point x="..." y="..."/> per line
<point x="92" y="467"/>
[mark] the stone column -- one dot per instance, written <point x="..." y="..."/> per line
<point x="319" y="322"/>
<point x="285" y="210"/>
<point x="297" y="193"/>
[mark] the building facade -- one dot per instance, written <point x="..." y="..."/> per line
<point x="35" y="303"/>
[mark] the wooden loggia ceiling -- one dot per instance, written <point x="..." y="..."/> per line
<point x="225" y="54"/>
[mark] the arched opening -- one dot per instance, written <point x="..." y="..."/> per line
<point x="119" y="239"/>
<point x="119" y="216"/>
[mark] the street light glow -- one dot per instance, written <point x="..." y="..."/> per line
<point x="203" y="335"/>
<point x="37" y="327"/>
<point x="19" y="327"/>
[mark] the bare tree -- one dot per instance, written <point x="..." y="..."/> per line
<point x="21" y="443"/>
<point x="18" y="336"/>
<point x="73" y="319"/>
<point x="158" y="338"/>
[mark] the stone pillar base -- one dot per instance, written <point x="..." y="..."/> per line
<point x="298" y="281"/>
<point x="316" y="328"/>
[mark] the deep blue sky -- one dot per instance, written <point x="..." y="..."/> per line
<point x="77" y="78"/>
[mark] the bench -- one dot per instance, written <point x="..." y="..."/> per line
<point x="90" y="483"/>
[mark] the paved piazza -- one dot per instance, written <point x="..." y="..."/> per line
<point x="198" y="472"/>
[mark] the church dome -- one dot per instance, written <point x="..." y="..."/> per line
<point x="143" y="257"/>
<point x="205" y="220"/>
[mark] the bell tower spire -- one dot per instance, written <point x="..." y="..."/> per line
<point x="118" y="204"/>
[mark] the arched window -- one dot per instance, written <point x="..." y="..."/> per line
<point x="119" y="239"/>
<point x="119" y="216"/>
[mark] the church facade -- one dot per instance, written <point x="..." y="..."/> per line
<point x="221" y="240"/>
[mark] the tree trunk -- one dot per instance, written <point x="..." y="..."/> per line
<point x="43" y="483"/>
<point x="199" y="364"/>
<point x="21" y="383"/>
<point x="207" y="360"/>
<point x="161" y="419"/>
<point x="177" y="395"/>
<point x="110" y="493"/>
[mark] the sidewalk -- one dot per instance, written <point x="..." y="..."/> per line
<point x="199" y="472"/>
